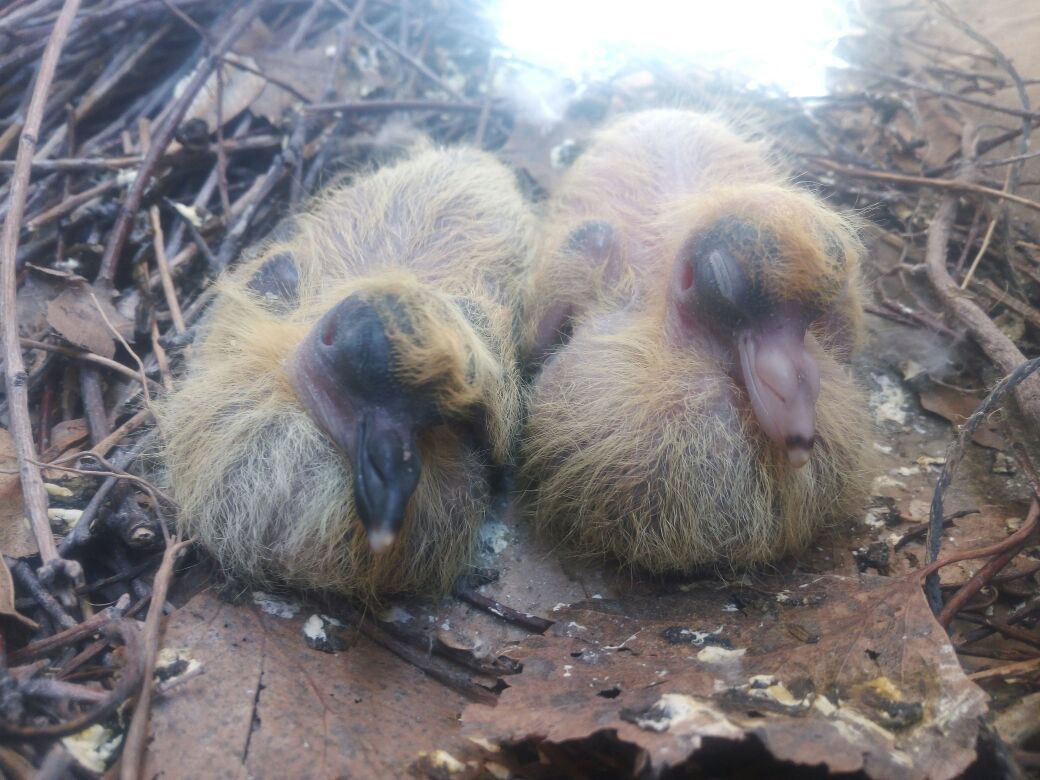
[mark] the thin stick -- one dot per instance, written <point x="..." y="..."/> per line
<point x="15" y="378"/>
<point x="90" y="357"/>
<point x="161" y="358"/>
<point x="131" y="678"/>
<point x="169" y="291"/>
<point x="909" y="84"/>
<point x="955" y="185"/>
<point x="222" y="180"/>
<point x="995" y="564"/>
<point x="133" y="752"/>
<point x="996" y="548"/>
<point x="406" y="57"/>
<point x="978" y="255"/>
<point x="161" y="139"/>
<point x="526" y="621"/>
<point x="485" y="109"/>
<point x="70" y="204"/>
<point x="44" y="647"/>
<point x="1007" y="670"/>
<point x="102" y="447"/>
<point x="387" y="106"/>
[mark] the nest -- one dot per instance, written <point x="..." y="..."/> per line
<point x="147" y="143"/>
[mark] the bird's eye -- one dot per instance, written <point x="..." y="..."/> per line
<point x="720" y="284"/>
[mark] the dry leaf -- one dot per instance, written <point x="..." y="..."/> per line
<point x="955" y="406"/>
<point x="306" y="71"/>
<point x="268" y="705"/>
<point x="16" y="538"/>
<point x="75" y="316"/>
<point x="65" y="435"/>
<point x="880" y="691"/>
<point x="8" y="613"/>
<point x="241" y="88"/>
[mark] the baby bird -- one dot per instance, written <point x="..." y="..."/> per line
<point x="352" y="404"/>
<point x="691" y="315"/>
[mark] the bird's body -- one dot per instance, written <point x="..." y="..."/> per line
<point x="688" y="305"/>
<point x="359" y="375"/>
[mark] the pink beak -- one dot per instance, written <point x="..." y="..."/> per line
<point x="783" y="383"/>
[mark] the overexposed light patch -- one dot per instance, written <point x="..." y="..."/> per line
<point x="783" y="43"/>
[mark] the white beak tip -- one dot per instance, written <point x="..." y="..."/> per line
<point x="798" y="456"/>
<point x="380" y="540"/>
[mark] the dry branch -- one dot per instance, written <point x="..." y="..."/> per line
<point x="15" y="378"/>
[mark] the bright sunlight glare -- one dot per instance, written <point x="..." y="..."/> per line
<point x="783" y="43"/>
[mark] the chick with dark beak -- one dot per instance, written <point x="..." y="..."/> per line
<point x="354" y="396"/>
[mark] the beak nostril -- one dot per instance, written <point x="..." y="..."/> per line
<point x="328" y="335"/>
<point x="686" y="280"/>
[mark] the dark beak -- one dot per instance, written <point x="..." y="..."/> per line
<point x="342" y="373"/>
<point x="386" y="471"/>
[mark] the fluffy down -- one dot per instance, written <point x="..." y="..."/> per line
<point x="638" y="441"/>
<point x="258" y="483"/>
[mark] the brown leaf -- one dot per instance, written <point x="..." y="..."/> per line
<point x="306" y="71"/>
<point x="75" y="316"/>
<point x="8" y="614"/>
<point x="957" y="406"/>
<point x="880" y="691"/>
<point x="66" y="434"/>
<point x="16" y="538"/>
<point x="267" y="705"/>
<point x="241" y="88"/>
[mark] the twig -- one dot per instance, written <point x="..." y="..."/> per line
<point x="161" y="137"/>
<point x="439" y="670"/>
<point x="996" y="548"/>
<point x="1007" y="670"/>
<point x="90" y="357"/>
<point x="81" y="532"/>
<point x="116" y="164"/>
<point x="161" y="357"/>
<point x="1000" y="627"/>
<point x="528" y="622"/>
<point x="485" y="108"/>
<point x="978" y="256"/>
<point x="955" y="185"/>
<point x="15" y="378"/>
<point x="129" y="680"/>
<point x="25" y="576"/>
<point x="994" y="565"/>
<point x="132" y="424"/>
<point x="44" y="647"/>
<point x="953" y="456"/>
<point x="70" y="204"/>
<point x="1001" y="59"/>
<point x="222" y="180"/>
<point x="133" y="752"/>
<point x="169" y="291"/>
<point x="114" y="472"/>
<point x="1005" y="298"/>
<point x="236" y="235"/>
<point x="93" y="403"/>
<point x="956" y="96"/>
<point x="387" y="106"/>
<point x="119" y="337"/>
<point x="417" y="64"/>
<point x="921" y="529"/>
